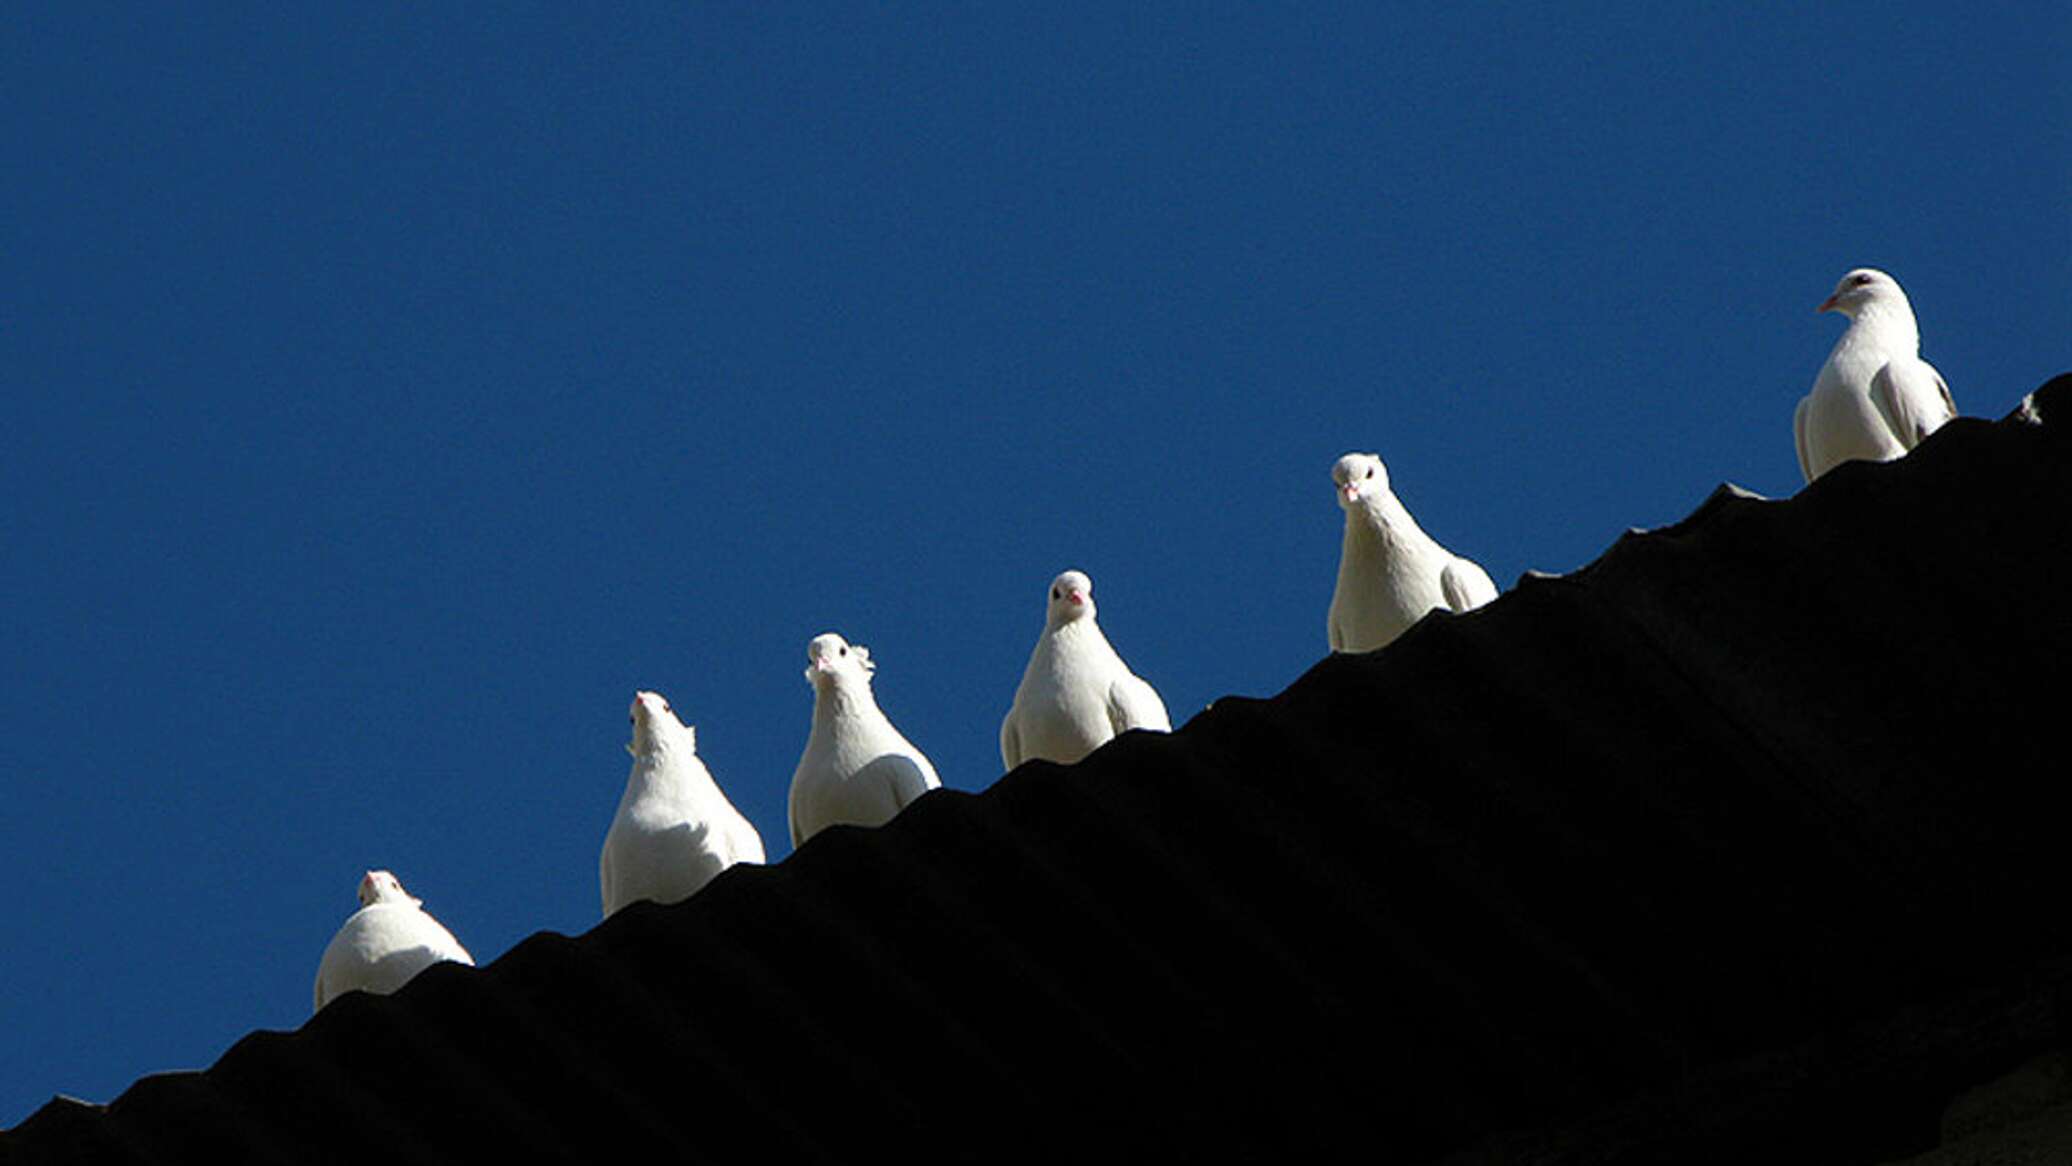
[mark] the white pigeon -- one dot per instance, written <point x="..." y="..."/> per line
<point x="674" y="829"/>
<point x="1076" y="693"/>
<point x="1390" y="572"/>
<point x="384" y="943"/>
<point x="857" y="770"/>
<point x="1875" y="398"/>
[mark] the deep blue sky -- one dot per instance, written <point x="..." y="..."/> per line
<point x="391" y="391"/>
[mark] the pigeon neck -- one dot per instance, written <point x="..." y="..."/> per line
<point x="1067" y="625"/>
<point x="669" y="769"/>
<point x="656" y="740"/>
<point x="660" y="754"/>
<point x="1381" y="519"/>
<point x="843" y="701"/>
<point x="1892" y="325"/>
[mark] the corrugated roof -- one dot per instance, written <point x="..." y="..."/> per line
<point x="1749" y="837"/>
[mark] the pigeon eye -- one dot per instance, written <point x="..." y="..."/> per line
<point x="1861" y="280"/>
<point x="1053" y="593"/>
<point x="845" y="651"/>
<point x="1370" y="471"/>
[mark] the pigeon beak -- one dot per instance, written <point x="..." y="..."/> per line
<point x="1352" y="491"/>
<point x="1078" y="598"/>
<point x="1826" y="305"/>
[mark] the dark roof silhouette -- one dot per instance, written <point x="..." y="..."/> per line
<point x="1747" y="842"/>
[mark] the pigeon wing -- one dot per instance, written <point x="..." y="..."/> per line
<point x="1134" y="704"/>
<point x="433" y="937"/>
<point x="1465" y="585"/>
<point x="744" y="841"/>
<point x="1913" y="399"/>
<point x="1798" y="436"/>
<point x="1010" y="741"/>
<point x="904" y="777"/>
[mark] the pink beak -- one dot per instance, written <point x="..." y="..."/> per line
<point x="1352" y="491"/>
<point x="1077" y="598"/>
<point x="1826" y="305"/>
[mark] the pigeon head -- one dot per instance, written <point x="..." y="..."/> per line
<point x="379" y="886"/>
<point x="832" y="660"/>
<point x="655" y="722"/>
<point x="1071" y="597"/>
<point x="1359" y="476"/>
<point x="1864" y="289"/>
